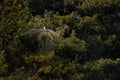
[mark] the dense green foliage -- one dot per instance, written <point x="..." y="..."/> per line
<point x="81" y="42"/>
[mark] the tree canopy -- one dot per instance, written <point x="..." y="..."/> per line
<point x="81" y="40"/>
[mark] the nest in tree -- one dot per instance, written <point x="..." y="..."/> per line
<point x="46" y="32"/>
<point x="40" y="40"/>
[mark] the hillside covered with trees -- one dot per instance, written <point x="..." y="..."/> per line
<point x="59" y="39"/>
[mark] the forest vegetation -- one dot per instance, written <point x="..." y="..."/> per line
<point x="81" y="40"/>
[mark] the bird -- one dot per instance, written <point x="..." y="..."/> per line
<point x="44" y="28"/>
